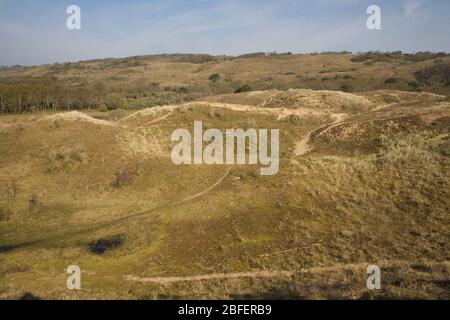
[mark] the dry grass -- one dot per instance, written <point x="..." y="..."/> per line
<point x="322" y="219"/>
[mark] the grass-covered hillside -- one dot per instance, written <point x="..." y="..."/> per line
<point x="364" y="179"/>
<point x="146" y="81"/>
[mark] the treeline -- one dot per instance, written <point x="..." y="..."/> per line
<point x="378" y="56"/>
<point x="31" y="95"/>
<point x="21" y="93"/>
<point x="19" y="97"/>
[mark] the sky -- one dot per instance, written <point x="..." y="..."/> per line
<point x="34" y="32"/>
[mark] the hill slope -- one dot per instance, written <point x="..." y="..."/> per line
<point x="98" y="189"/>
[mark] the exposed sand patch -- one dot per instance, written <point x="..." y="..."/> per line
<point x="214" y="276"/>
<point x="76" y="116"/>
<point x="159" y="111"/>
<point x="332" y="101"/>
<point x="271" y="273"/>
<point x="303" y="146"/>
<point x="145" y="142"/>
<point x="392" y="96"/>
<point x="306" y="99"/>
<point x="163" y="112"/>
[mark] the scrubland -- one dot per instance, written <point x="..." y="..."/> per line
<point x="97" y="188"/>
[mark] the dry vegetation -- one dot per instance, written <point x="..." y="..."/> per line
<point x="147" y="81"/>
<point x="97" y="188"/>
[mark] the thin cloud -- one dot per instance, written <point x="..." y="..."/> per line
<point x="139" y="27"/>
<point x="412" y="10"/>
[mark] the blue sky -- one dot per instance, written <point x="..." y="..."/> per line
<point x="34" y="32"/>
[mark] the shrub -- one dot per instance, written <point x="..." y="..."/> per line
<point x="5" y="214"/>
<point x="78" y="154"/>
<point x="214" y="77"/>
<point x="115" y="101"/>
<point x="29" y="296"/>
<point x="437" y="73"/>
<point x="125" y="175"/>
<point x="179" y="89"/>
<point x="415" y="86"/>
<point x="11" y="189"/>
<point x="64" y="158"/>
<point x="346" y="88"/>
<point x="116" y="115"/>
<point x="391" y="81"/>
<point x="359" y="59"/>
<point x="294" y="119"/>
<point x="243" y="88"/>
<point x="34" y="201"/>
<point x="215" y="113"/>
<point x="100" y="246"/>
<point x="103" y="108"/>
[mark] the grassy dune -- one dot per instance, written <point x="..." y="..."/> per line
<point x="98" y="189"/>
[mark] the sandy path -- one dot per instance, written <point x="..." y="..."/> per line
<point x="8" y="248"/>
<point x="155" y="121"/>
<point x="212" y="276"/>
<point x="303" y="147"/>
<point x="271" y="273"/>
<point x="202" y="193"/>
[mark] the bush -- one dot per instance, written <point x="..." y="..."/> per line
<point x="215" y="113"/>
<point x="437" y="73"/>
<point x="100" y="246"/>
<point x="177" y="89"/>
<point x="5" y="214"/>
<point x="64" y="158"/>
<point x="359" y="59"/>
<point x="115" y="101"/>
<point x="346" y="88"/>
<point x="11" y="189"/>
<point x="214" y="77"/>
<point x="244" y="88"/>
<point x="78" y="154"/>
<point x="294" y="119"/>
<point x="391" y="81"/>
<point x="125" y="175"/>
<point x="116" y="115"/>
<point x="34" y="201"/>
<point x="415" y="86"/>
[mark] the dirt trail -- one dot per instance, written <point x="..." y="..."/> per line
<point x="155" y="121"/>
<point x="212" y="276"/>
<point x="57" y="236"/>
<point x="197" y="195"/>
<point x="76" y="116"/>
<point x="269" y="273"/>
<point x="303" y="147"/>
